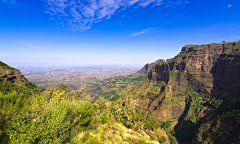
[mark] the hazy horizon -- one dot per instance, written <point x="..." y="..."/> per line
<point x="60" y="65"/>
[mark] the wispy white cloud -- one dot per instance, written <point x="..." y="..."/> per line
<point x="142" y="32"/>
<point x="5" y="55"/>
<point x="237" y="37"/>
<point x="29" y="44"/>
<point x="230" y="5"/>
<point x="80" y="15"/>
<point x="201" y="34"/>
<point x="12" y="2"/>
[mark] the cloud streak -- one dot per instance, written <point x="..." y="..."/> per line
<point x="230" y="5"/>
<point x="12" y="2"/>
<point x="142" y="32"/>
<point x="5" y="55"/>
<point x="238" y="37"/>
<point x="201" y="34"/>
<point x="80" y="15"/>
<point x="29" y="44"/>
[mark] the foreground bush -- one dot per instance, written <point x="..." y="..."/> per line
<point x="42" y="119"/>
<point x="57" y="115"/>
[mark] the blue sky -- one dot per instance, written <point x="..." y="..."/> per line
<point x="110" y="32"/>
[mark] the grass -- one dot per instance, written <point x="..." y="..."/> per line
<point x="114" y="133"/>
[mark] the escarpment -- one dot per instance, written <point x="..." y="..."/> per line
<point x="207" y="68"/>
<point x="195" y="95"/>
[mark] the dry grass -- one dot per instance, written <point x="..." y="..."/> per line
<point x="111" y="133"/>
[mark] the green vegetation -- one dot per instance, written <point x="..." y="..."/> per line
<point x="162" y="139"/>
<point x="195" y="104"/>
<point x="109" y="89"/>
<point x="172" y="139"/>
<point x="116" y="97"/>
<point x="151" y="123"/>
<point x="172" y="71"/>
<point x="166" y="124"/>
<point x="58" y="115"/>
<point x="30" y="85"/>
<point x="6" y="67"/>
<point x="216" y="102"/>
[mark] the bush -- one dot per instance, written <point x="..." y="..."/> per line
<point x="87" y="113"/>
<point x="42" y="119"/>
<point x="166" y="124"/>
<point x="152" y="137"/>
<point x="151" y="123"/>
<point x="10" y="106"/>
<point x="162" y="139"/>
<point x="172" y="139"/>
<point x="104" y="118"/>
<point x="141" y="141"/>
<point x="52" y="126"/>
<point x="116" y="97"/>
<point x="30" y="85"/>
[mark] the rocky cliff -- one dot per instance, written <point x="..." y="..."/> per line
<point x="195" y="95"/>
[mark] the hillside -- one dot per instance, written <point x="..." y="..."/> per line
<point x="109" y="89"/>
<point x="12" y="79"/>
<point x="59" y="115"/>
<point x="195" y="95"/>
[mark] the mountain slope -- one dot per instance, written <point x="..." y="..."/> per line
<point x="12" y="79"/>
<point x="195" y="95"/>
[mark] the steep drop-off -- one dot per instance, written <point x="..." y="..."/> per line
<point x="195" y="95"/>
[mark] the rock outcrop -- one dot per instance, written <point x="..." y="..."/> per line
<point x="147" y="67"/>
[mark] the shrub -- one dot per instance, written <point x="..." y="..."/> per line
<point x="162" y="139"/>
<point x="87" y="113"/>
<point x="172" y="71"/>
<point x="166" y="124"/>
<point x="104" y="118"/>
<point x="141" y="141"/>
<point x="172" y="139"/>
<point x="152" y="137"/>
<point x="30" y="85"/>
<point x="116" y="97"/>
<point x="151" y="123"/>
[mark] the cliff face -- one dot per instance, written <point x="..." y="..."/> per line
<point x="204" y="81"/>
<point x="160" y="72"/>
<point x="207" y="68"/>
<point x="195" y="95"/>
